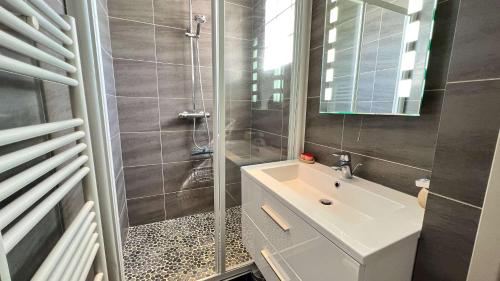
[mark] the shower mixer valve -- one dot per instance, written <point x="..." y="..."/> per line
<point x="194" y="115"/>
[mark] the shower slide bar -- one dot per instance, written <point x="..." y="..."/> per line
<point x="63" y="161"/>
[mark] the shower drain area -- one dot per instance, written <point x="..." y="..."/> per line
<point x="181" y="249"/>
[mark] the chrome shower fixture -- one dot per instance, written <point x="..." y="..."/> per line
<point x="199" y="19"/>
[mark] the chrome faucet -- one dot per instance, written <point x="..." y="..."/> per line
<point x="344" y="165"/>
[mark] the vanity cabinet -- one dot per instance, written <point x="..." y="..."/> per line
<point x="286" y="247"/>
<point x="294" y="249"/>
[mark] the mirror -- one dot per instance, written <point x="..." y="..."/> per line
<point x="375" y="55"/>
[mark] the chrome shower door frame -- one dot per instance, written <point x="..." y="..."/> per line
<point x="298" y="99"/>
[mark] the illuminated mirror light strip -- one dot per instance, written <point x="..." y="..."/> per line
<point x="332" y="35"/>
<point x="404" y="88"/>
<point x="276" y="97"/>
<point x="415" y="6"/>
<point x="334" y="14"/>
<point x="329" y="75"/>
<point x="330" y="55"/>
<point x="328" y="94"/>
<point x="278" y="84"/>
<point x="412" y="30"/>
<point x="408" y="61"/>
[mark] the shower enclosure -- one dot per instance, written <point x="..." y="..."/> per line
<point x="196" y="89"/>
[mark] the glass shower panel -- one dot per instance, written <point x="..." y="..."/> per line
<point x="258" y="43"/>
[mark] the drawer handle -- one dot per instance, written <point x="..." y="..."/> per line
<point x="267" y="256"/>
<point x="276" y="218"/>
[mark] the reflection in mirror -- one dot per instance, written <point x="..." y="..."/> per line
<point x="375" y="55"/>
<point x="272" y="55"/>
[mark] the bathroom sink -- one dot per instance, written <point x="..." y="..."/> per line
<point x="363" y="217"/>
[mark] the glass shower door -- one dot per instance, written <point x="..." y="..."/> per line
<point x="254" y="92"/>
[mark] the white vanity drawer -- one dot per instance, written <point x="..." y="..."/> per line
<point x="304" y="249"/>
<point x="265" y="256"/>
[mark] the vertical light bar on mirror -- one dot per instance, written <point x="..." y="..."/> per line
<point x="404" y="88"/>
<point x="329" y="75"/>
<point x="254" y="87"/>
<point x="411" y="34"/>
<point x="254" y="76"/>
<point x="330" y="57"/>
<point x="415" y="6"/>
<point x="332" y="35"/>
<point x="328" y="94"/>
<point x="276" y="97"/>
<point x="334" y="14"/>
<point x="408" y="61"/>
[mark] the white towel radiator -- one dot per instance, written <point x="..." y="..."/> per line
<point x="81" y="245"/>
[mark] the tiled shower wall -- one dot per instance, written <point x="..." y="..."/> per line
<point x="453" y="139"/>
<point x="152" y="72"/>
<point x="112" y="110"/>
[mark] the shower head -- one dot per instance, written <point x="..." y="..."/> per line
<point x="200" y="18"/>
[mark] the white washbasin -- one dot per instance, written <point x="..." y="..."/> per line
<point x="364" y="217"/>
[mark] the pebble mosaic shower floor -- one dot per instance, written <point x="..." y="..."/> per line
<point x="181" y="249"/>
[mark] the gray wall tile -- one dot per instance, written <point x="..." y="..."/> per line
<point x="116" y="151"/>
<point x="189" y="202"/>
<point x="121" y="195"/>
<point x="109" y="78"/>
<point x="173" y="13"/>
<point x="442" y="40"/>
<point x="27" y="256"/>
<point x="132" y="40"/>
<point x="240" y="115"/>
<point x="113" y="122"/>
<point x="143" y="181"/>
<point x="141" y="148"/>
<point x="466" y="142"/>
<point x="172" y="46"/>
<point x="103" y="22"/>
<point x="139" y="10"/>
<point x="135" y="78"/>
<point x="317" y="23"/>
<point x="138" y="114"/>
<point x="180" y="176"/>
<point x="177" y="146"/>
<point x="124" y="225"/>
<point x="238" y="21"/>
<point x="270" y="121"/>
<point x="324" y="129"/>
<point x="446" y="241"/>
<point x="146" y="210"/>
<point x="475" y="49"/>
<point x="174" y="81"/>
<point x="406" y="140"/>
<point x="265" y="147"/>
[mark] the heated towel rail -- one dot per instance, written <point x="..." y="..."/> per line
<point x="81" y="245"/>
